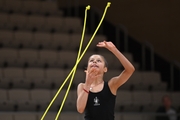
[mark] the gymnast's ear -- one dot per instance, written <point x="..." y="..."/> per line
<point x="105" y="69"/>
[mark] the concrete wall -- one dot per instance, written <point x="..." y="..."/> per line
<point x="155" y="21"/>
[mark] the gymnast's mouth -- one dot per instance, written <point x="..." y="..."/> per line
<point x="94" y="65"/>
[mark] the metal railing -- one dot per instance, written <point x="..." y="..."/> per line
<point x="145" y="46"/>
<point x="149" y="46"/>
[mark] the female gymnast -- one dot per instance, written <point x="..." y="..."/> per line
<point x="96" y="97"/>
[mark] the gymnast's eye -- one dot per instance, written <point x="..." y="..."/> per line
<point x="91" y="60"/>
<point x="99" y="60"/>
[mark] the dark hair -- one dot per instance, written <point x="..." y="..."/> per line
<point x="105" y="61"/>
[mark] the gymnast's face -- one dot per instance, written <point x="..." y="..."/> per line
<point x="97" y="62"/>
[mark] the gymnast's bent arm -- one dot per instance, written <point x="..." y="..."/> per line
<point x="117" y="81"/>
<point x="83" y="89"/>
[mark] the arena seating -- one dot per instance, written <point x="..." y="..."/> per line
<point x="38" y="48"/>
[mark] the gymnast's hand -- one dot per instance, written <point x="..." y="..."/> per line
<point x="91" y="75"/>
<point x="109" y="45"/>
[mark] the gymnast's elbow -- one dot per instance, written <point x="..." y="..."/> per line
<point x="80" y="110"/>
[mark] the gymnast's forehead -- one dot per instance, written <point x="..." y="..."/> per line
<point x="95" y="56"/>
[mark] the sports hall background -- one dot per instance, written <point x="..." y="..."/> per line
<point x="39" y="41"/>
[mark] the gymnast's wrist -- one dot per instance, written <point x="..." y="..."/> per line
<point x="87" y="91"/>
<point x="87" y="87"/>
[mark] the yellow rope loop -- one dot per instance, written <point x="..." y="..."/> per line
<point x="75" y="67"/>
<point x="77" y="62"/>
<point x="47" y="109"/>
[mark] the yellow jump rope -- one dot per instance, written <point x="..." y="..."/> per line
<point x="79" y="57"/>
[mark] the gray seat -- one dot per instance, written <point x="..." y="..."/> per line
<point x="41" y="97"/>
<point x="35" y="76"/>
<point x="4" y="20"/>
<point x="25" y="116"/>
<point x="22" y="39"/>
<point x="6" y="38"/>
<point x="6" y="116"/>
<point x="9" y="56"/>
<point x="28" y="57"/>
<point x="48" y="57"/>
<point x="11" y="5"/>
<point x="30" y="6"/>
<point x="14" y="77"/>
<point x="17" y="20"/>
